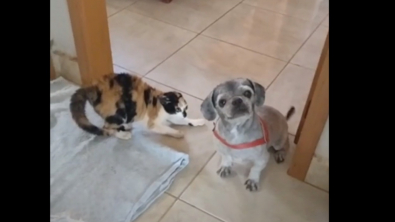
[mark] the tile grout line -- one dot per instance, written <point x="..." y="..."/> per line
<point x="280" y="13"/>
<point x="193" y="179"/>
<point x="189" y="204"/>
<point x="178" y="198"/>
<point x="301" y="66"/>
<point x="201" y="210"/>
<point x="274" y="79"/>
<point x="311" y="34"/>
<point x="168" y="57"/>
<point x="171" y="195"/>
<point x="167" y="211"/>
<point x="156" y="19"/>
<point x="238" y="46"/>
<point x="126" y="69"/>
<point x="201" y="33"/>
<point x="198" y="34"/>
<point x="121" y="9"/>
<point x="173" y="88"/>
<point x="289" y="61"/>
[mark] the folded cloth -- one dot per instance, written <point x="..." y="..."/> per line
<point x="103" y="179"/>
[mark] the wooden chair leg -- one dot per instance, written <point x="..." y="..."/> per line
<point x="316" y="115"/>
<point x="52" y="70"/>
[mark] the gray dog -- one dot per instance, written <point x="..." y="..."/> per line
<point x="246" y="129"/>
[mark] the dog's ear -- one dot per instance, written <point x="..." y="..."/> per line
<point x="207" y="107"/>
<point x="259" y="92"/>
<point x="164" y="99"/>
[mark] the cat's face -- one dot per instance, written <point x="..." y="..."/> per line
<point x="174" y="103"/>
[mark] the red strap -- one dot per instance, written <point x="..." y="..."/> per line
<point x="261" y="141"/>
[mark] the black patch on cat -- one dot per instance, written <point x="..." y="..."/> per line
<point x="154" y="101"/>
<point x="111" y="83"/>
<point x="114" y="120"/>
<point x="93" y="129"/>
<point x="121" y="112"/>
<point x="125" y="81"/>
<point x="121" y="128"/>
<point x="169" y="102"/>
<point x="97" y="101"/>
<point x="190" y="124"/>
<point x="147" y="96"/>
<point x="184" y="114"/>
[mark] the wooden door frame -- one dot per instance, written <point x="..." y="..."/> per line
<point x="314" y="117"/>
<point x="91" y="36"/>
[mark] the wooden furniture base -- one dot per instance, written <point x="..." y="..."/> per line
<point x="314" y="117"/>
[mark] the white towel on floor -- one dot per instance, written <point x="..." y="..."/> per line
<point x="103" y="179"/>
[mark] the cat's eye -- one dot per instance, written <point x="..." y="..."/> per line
<point x="247" y="94"/>
<point x="222" y="103"/>
<point x="178" y="109"/>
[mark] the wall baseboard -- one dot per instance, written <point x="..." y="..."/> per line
<point x="66" y="65"/>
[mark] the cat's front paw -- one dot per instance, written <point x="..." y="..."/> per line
<point x="125" y="135"/>
<point x="197" y="122"/>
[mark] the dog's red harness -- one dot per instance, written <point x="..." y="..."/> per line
<point x="261" y="141"/>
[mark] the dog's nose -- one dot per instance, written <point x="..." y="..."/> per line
<point x="237" y="102"/>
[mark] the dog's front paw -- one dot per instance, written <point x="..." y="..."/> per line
<point x="177" y="134"/>
<point x="251" y="185"/>
<point x="197" y="122"/>
<point x="125" y="135"/>
<point x="279" y="156"/>
<point x="224" y="171"/>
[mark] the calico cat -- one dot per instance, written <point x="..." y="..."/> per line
<point x="121" y="99"/>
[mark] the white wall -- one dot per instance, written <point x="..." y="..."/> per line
<point x="63" y="42"/>
<point x="318" y="173"/>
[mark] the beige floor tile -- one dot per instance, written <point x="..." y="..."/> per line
<point x="309" y="55"/>
<point x="140" y="43"/>
<point x="279" y="198"/>
<point x="205" y="62"/>
<point x="182" y="212"/>
<point x="156" y="211"/>
<point x="195" y="143"/>
<point x="310" y="10"/>
<point x="263" y="31"/>
<point x="189" y="14"/>
<point x="118" y="69"/>
<point x="326" y="21"/>
<point x="114" y="6"/>
<point x="291" y="88"/>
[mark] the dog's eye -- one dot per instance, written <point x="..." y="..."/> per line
<point x="247" y="94"/>
<point x="222" y="102"/>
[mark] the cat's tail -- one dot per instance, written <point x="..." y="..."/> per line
<point x="77" y="109"/>
<point x="290" y="113"/>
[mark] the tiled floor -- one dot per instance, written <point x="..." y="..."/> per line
<point x="192" y="45"/>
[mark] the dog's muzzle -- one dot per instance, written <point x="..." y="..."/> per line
<point x="239" y="108"/>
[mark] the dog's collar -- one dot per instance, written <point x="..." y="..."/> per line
<point x="261" y="141"/>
